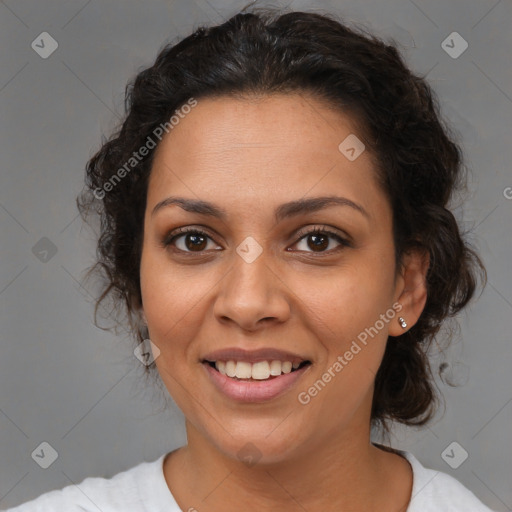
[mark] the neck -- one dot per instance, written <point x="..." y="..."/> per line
<point x="344" y="471"/>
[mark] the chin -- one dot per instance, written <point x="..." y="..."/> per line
<point x="260" y="443"/>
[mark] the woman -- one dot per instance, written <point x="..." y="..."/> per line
<point x="274" y="219"/>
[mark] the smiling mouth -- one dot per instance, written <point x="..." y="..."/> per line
<point x="259" y="371"/>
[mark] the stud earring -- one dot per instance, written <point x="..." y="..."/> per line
<point x="402" y="322"/>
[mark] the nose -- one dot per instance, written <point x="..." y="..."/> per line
<point x="252" y="296"/>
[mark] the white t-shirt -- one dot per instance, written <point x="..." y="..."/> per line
<point x="143" y="489"/>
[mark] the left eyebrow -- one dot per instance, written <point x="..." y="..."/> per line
<point x="314" y="204"/>
<point x="286" y="210"/>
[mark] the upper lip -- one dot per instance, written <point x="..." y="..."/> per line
<point x="253" y="356"/>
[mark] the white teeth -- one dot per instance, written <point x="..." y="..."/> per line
<point x="261" y="370"/>
<point x="230" y="368"/>
<point x="243" y="370"/>
<point x="286" y="367"/>
<point x="221" y="366"/>
<point x="275" y="368"/>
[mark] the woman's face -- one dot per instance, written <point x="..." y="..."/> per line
<point x="258" y="284"/>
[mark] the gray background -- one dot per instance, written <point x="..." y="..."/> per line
<point x="65" y="382"/>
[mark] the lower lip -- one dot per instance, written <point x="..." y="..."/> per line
<point x="254" y="390"/>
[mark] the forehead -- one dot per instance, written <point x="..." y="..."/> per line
<point x="286" y="121"/>
<point x="278" y="145"/>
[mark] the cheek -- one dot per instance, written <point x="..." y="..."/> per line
<point x="346" y="301"/>
<point x="344" y="313"/>
<point x="344" y="319"/>
<point x="171" y="301"/>
<point x="172" y="306"/>
<point x="170" y="292"/>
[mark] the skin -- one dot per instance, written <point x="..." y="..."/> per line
<point x="249" y="156"/>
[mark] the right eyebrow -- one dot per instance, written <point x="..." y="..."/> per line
<point x="193" y="206"/>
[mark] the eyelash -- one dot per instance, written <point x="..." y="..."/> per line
<point x="171" y="237"/>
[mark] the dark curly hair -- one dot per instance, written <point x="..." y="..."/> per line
<point x="418" y="164"/>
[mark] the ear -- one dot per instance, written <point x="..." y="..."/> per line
<point x="410" y="289"/>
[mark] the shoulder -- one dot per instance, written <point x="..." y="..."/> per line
<point x="128" y="490"/>
<point x="435" y="491"/>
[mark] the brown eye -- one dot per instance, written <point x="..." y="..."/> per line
<point x="195" y="241"/>
<point x="188" y="240"/>
<point x="319" y="240"/>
